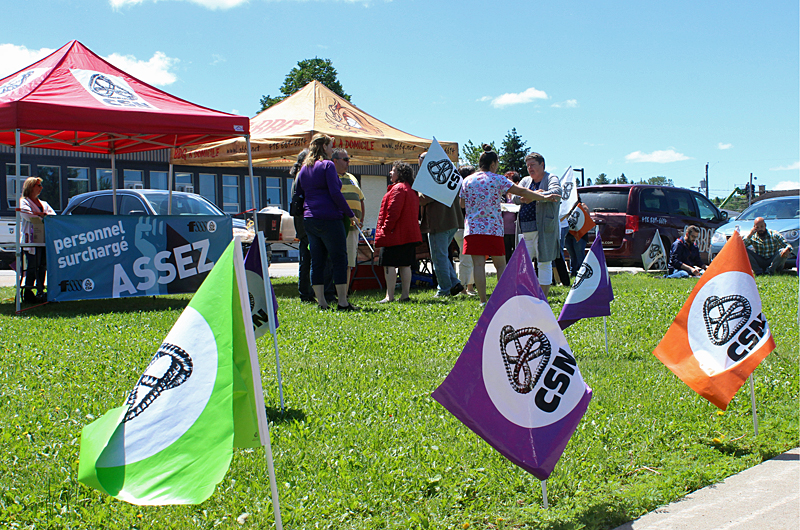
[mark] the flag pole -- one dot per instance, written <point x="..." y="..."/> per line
<point x="753" y="404"/>
<point x="262" y="250"/>
<point x="258" y="390"/>
<point x="544" y="493"/>
<point x="605" y="329"/>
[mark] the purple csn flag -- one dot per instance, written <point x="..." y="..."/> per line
<point x="257" y="292"/>
<point x="591" y="293"/>
<point x="516" y="383"/>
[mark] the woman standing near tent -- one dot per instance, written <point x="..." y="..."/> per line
<point x="397" y="231"/>
<point x="323" y="212"/>
<point x="481" y="195"/>
<point x="32" y="208"/>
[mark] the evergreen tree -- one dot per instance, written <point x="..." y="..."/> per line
<point x="512" y="156"/>
<point x="602" y="178"/>
<point x="306" y="71"/>
<point x="622" y="179"/>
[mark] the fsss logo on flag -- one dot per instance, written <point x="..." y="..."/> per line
<point x="720" y="335"/>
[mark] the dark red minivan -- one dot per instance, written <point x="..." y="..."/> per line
<point x="628" y="215"/>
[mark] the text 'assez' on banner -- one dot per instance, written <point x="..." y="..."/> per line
<point x="517" y="384"/>
<point x="720" y="335"/>
<point x="107" y="256"/>
<point x="438" y="177"/>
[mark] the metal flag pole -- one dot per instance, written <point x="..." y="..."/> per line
<point x="18" y="221"/>
<point x="605" y="329"/>
<point x="114" y="177"/>
<point x="262" y="251"/>
<point x="544" y="493"/>
<point x="753" y="404"/>
<point x="169" y="190"/>
<point x="365" y="239"/>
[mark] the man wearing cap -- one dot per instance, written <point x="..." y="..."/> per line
<point x="355" y="200"/>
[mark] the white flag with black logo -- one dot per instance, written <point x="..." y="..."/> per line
<point x="655" y="254"/>
<point x="438" y="177"/>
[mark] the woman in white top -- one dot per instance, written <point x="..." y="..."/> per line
<point x="32" y="207"/>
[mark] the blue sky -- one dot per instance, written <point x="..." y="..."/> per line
<point x="641" y="88"/>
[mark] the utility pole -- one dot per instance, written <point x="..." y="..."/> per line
<point x="750" y="192"/>
<point x="706" y="180"/>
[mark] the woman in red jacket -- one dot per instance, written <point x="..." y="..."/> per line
<point x="397" y="232"/>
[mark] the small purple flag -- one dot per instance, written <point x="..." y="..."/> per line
<point x="591" y="293"/>
<point x="516" y="383"/>
<point x="257" y="292"/>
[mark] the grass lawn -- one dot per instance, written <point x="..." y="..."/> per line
<point x="362" y="444"/>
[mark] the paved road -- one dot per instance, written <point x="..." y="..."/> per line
<point x="764" y="497"/>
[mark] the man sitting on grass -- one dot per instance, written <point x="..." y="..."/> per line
<point x="684" y="256"/>
<point x="769" y="249"/>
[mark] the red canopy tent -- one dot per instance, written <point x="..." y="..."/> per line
<point x="74" y="100"/>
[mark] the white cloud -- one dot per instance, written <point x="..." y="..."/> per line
<point x="484" y="98"/>
<point x="724" y="146"/>
<point x="515" y="99"/>
<point x="155" y="71"/>
<point x="790" y="167"/>
<point x="568" y="104"/>
<point x="659" y="157"/>
<point x="216" y="59"/>
<point x="787" y="185"/>
<point x="14" y="58"/>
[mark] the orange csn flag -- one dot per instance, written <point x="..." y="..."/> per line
<point x="720" y="335"/>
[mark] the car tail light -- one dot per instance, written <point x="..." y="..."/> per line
<point x="631" y="224"/>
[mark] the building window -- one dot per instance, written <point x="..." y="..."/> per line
<point x="12" y="190"/>
<point x="134" y="179"/>
<point x="274" y="191"/>
<point x="183" y="182"/>
<point x="158" y="180"/>
<point x="103" y="179"/>
<point x="208" y="186"/>
<point x="77" y="181"/>
<point x="51" y="182"/>
<point x="289" y="184"/>
<point x="230" y="193"/>
<point x="248" y="202"/>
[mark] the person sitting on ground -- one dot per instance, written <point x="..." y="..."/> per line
<point x="684" y="256"/>
<point x="397" y="232"/>
<point x="30" y="207"/>
<point x="767" y="249"/>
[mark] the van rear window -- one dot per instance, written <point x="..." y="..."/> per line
<point x="614" y="201"/>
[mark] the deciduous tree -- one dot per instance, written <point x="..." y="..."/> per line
<point x="306" y="71"/>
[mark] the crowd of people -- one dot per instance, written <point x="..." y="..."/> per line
<point x="328" y="207"/>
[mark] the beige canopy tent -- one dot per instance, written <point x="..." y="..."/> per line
<point x="285" y="129"/>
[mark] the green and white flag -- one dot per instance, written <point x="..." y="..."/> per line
<point x="200" y="396"/>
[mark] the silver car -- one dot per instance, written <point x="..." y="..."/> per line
<point x="781" y="214"/>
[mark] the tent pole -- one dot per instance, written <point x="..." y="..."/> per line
<point x="753" y="404"/>
<point x="605" y="329"/>
<point x="114" y="176"/>
<point x="18" y="246"/>
<point x="262" y="249"/>
<point x="169" y="187"/>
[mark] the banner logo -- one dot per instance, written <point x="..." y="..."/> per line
<point x="725" y="316"/>
<point x="573" y="219"/>
<point x="202" y="226"/>
<point x="24" y="78"/>
<point x="110" y="90"/>
<point x="171" y="367"/>
<point x="442" y="172"/>
<point x="655" y="250"/>
<point x="536" y="347"/>
<point x="584" y="273"/>
<point x="349" y="120"/>
<point x="566" y="190"/>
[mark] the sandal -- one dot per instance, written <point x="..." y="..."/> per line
<point x="384" y="301"/>
<point x="348" y="307"/>
<point x="402" y="300"/>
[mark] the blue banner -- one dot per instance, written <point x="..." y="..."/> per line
<point x="115" y="256"/>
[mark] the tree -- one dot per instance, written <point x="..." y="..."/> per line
<point x="512" y="157"/>
<point x="306" y="71"/>
<point x="472" y="152"/>
<point x="622" y="179"/>
<point x="660" y="181"/>
<point x="589" y="182"/>
<point x="602" y="178"/>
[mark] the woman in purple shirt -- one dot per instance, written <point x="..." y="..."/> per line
<point x="323" y="212"/>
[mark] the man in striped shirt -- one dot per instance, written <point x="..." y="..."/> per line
<point x="769" y="249"/>
<point x="355" y="200"/>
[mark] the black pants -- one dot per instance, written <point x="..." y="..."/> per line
<point x="35" y="269"/>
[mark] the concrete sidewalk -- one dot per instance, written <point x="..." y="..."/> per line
<point x="764" y="497"/>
